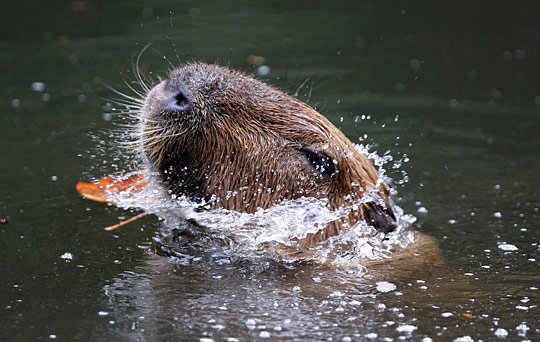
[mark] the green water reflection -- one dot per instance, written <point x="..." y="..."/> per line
<point x="461" y="78"/>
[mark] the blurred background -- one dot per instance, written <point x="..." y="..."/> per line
<point x="450" y="88"/>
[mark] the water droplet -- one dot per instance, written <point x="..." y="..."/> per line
<point x="501" y="333"/>
<point x="406" y="328"/>
<point x="38" y="86"/>
<point x="384" y="286"/>
<point x="507" y="247"/>
<point x="263" y="70"/>
<point x="415" y="64"/>
<point x="67" y="256"/>
<point x="264" y="334"/>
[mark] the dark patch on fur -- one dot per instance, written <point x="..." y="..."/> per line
<point x="382" y="218"/>
<point x="320" y="161"/>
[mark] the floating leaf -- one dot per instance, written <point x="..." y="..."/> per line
<point x="108" y="189"/>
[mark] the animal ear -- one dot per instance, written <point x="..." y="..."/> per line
<point x="320" y="161"/>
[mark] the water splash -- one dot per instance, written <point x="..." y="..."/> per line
<point x="274" y="231"/>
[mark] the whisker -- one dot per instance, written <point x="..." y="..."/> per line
<point x="137" y="70"/>
<point x="124" y="103"/>
<point x="301" y="86"/>
<point x="126" y="96"/>
<point x="140" y="94"/>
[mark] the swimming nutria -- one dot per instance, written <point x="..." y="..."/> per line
<point x="221" y="136"/>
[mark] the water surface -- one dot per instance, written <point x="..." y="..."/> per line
<point x="453" y="85"/>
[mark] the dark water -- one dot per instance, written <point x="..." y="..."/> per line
<point x="462" y="77"/>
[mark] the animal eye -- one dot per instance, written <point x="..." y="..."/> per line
<point x="320" y="161"/>
<point x="181" y="100"/>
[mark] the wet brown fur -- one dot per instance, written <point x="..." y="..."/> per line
<point x="242" y="145"/>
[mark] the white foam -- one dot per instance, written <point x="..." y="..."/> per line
<point x="384" y="286"/>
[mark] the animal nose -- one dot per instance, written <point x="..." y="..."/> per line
<point x="178" y="102"/>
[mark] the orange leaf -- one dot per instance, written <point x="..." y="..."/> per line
<point x="107" y="189"/>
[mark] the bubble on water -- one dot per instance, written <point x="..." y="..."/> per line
<point x="452" y="221"/>
<point x="406" y="328"/>
<point x="263" y="70"/>
<point x="447" y="314"/>
<point x="52" y="336"/>
<point x="497" y="214"/>
<point x="147" y="13"/>
<point x="501" y="333"/>
<point x="336" y="294"/>
<point x="497" y="187"/>
<point x="384" y="286"/>
<point x="427" y="339"/>
<point x="507" y="247"/>
<point x="250" y="323"/>
<point x="67" y="256"/>
<point x="422" y="210"/>
<point x="522" y="307"/>
<point x="194" y="12"/>
<point x="45" y="97"/>
<point x="464" y="339"/>
<point x="38" y="86"/>
<point x="264" y="334"/>
<point x="103" y="313"/>
<point x="522" y="328"/>
<point x="15" y="103"/>
<point x="415" y="64"/>
<point x="520" y="53"/>
<point x="54" y="178"/>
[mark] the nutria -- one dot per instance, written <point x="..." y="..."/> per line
<point x="219" y="136"/>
